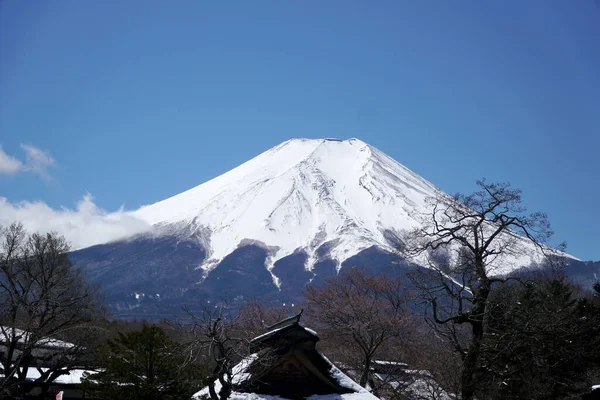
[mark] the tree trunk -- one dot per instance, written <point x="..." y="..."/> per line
<point x="364" y="379"/>
<point x="468" y="381"/>
<point x="211" y="391"/>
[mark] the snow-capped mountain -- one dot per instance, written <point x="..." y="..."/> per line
<point x="294" y="214"/>
<point x="299" y="195"/>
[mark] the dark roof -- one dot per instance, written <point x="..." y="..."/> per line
<point x="284" y="327"/>
<point x="295" y="319"/>
<point x="287" y="364"/>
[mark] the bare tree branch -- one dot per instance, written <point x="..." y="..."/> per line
<point x="46" y="310"/>
<point x="464" y="242"/>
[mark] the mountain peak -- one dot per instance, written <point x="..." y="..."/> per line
<point x="273" y="225"/>
<point x="301" y="194"/>
<point x="352" y="141"/>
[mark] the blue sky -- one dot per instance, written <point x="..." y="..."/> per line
<point x="136" y="101"/>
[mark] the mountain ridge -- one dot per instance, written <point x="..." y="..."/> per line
<point x="291" y="216"/>
<point x="310" y="196"/>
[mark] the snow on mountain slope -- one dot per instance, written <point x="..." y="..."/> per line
<point x="309" y="194"/>
<point x="300" y="194"/>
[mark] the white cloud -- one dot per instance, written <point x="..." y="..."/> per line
<point x="37" y="161"/>
<point x="8" y="164"/>
<point x="84" y="226"/>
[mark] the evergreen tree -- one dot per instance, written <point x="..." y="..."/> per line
<point x="542" y="343"/>
<point x="144" y="365"/>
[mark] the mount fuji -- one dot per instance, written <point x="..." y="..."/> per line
<point x="291" y="216"/>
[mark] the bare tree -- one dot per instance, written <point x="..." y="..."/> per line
<point x="436" y="365"/>
<point x="46" y="308"/>
<point x="469" y="243"/>
<point x="212" y="338"/>
<point x="221" y="336"/>
<point x="254" y="317"/>
<point x="363" y="310"/>
<point x="216" y="338"/>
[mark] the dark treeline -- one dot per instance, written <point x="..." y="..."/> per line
<point x="458" y="329"/>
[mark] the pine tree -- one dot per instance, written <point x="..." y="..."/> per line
<point x="144" y="365"/>
<point x="542" y="343"/>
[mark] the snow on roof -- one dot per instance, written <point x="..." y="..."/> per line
<point x="424" y="388"/>
<point x="284" y="324"/>
<point x="293" y="320"/>
<point x="240" y="371"/>
<point x="240" y="374"/>
<point x="72" y="377"/>
<point x="383" y="362"/>
<point x="348" y="396"/>
<point x="6" y="334"/>
<point x="419" y="383"/>
<point x="267" y="334"/>
<point x="255" y="396"/>
<point x="312" y="332"/>
<point x="272" y="332"/>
